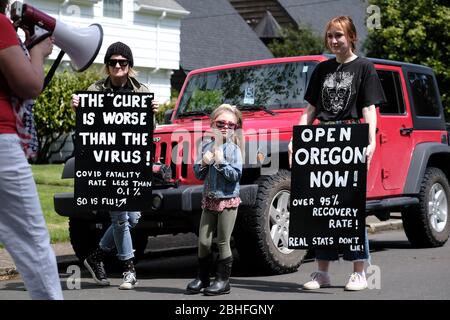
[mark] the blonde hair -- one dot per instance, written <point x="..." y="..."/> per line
<point x="346" y="23"/>
<point x="237" y="137"/>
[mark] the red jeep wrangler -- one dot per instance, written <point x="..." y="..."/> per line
<point x="409" y="171"/>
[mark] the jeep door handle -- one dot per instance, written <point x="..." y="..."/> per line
<point x="406" y="131"/>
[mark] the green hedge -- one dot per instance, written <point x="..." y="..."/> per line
<point x="53" y="114"/>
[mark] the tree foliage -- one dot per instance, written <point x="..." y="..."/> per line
<point x="416" y="32"/>
<point x="205" y="100"/>
<point x="53" y="114"/>
<point x="170" y="105"/>
<point x="296" y="42"/>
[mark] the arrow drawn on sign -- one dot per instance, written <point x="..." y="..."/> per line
<point x="121" y="202"/>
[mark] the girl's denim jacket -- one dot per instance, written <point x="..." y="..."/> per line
<point x="221" y="179"/>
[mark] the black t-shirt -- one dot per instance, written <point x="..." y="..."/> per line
<point x="340" y="91"/>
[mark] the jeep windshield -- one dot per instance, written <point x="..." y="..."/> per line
<point x="263" y="87"/>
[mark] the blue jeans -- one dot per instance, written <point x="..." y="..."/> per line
<point x="118" y="234"/>
<point x="348" y="255"/>
<point x="22" y="226"/>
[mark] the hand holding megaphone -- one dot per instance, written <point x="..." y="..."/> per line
<point x="37" y="38"/>
<point x="43" y="48"/>
<point x="81" y="44"/>
<point x="42" y="43"/>
<point x="30" y="21"/>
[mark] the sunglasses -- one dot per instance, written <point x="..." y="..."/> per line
<point x="221" y="124"/>
<point x="113" y="62"/>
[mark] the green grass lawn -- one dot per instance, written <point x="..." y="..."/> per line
<point x="50" y="174"/>
<point x="48" y="181"/>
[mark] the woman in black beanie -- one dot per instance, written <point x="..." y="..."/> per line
<point x="120" y="73"/>
<point x="120" y="78"/>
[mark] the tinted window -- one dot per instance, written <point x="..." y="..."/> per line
<point x="424" y="94"/>
<point x="390" y="80"/>
<point x="273" y="86"/>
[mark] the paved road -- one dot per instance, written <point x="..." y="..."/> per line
<point x="405" y="273"/>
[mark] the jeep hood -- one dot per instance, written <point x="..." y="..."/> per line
<point x="253" y="122"/>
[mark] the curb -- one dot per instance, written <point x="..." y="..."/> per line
<point x="8" y="271"/>
<point x="62" y="261"/>
<point x="385" y="226"/>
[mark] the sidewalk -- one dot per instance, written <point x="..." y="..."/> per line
<point x="394" y="223"/>
<point x="64" y="252"/>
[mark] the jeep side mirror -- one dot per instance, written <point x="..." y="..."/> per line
<point x="168" y="116"/>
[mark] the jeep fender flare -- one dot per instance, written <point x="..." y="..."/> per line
<point x="424" y="155"/>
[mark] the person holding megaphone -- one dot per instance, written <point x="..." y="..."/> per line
<point x="120" y="78"/>
<point x="22" y="226"/>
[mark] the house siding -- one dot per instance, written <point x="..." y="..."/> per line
<point x="153" y="37"/>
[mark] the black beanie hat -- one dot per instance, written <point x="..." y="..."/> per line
<point x="119" y="48"/>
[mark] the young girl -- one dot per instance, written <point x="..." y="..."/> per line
<point x="342" y="90"/>
<point x="220" y="166"/>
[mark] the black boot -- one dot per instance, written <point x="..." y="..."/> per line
<point x="94" y="263"/>
<point x="221" y="284"/>
<point x="129" y="275"/>
<point x="202" y="280"/>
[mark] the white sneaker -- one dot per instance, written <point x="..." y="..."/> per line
<point x="356" y="282"/>
<point x="129" y="281"/>
<point x="319" y="280"/>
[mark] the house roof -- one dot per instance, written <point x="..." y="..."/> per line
<point x="316" y="13"/>
<point x="214" y="34"/>
<point x="252" y="11"/>
<point x="268" y="27"/>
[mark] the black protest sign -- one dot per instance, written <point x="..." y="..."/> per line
<point x="328" y="187"/>
<point x="114" y="134"/>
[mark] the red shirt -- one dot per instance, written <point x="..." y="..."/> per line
<point x="8" y="38"/>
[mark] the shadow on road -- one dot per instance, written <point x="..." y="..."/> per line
<point x="382" y="245"/>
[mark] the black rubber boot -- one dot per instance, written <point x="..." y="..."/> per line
<point x="221" y="284"/>
<point x="202" y="280"/>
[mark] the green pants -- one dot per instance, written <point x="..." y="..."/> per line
<point x="211" y="221"/>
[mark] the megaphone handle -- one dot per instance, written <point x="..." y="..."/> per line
<point x="37" y="40"/>
<point x="52" y="70"/>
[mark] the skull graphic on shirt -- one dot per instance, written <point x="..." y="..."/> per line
<point x="336" y="91"/>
